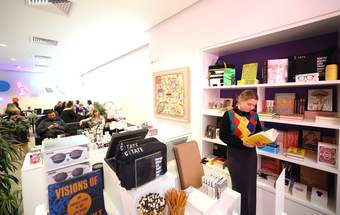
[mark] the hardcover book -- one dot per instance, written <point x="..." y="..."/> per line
<point x="285" y="103"/>
<point x="327" y="154"/>
<point x="310" y="139"/>
<point x="277" y="71"/>
<point x="79" y="195"/>
<point x="295" y="152"/>
<point x="320" y="99"/>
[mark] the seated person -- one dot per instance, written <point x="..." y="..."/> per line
<point x="96" y="122"/>
<point x="81" y="110"/>
<point x="69" y="114"/>
<point x="51" y="127"/>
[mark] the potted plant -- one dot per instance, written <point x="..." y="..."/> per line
<point x="10" y="199"/>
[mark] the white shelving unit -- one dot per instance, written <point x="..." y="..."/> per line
<point x="322" y="25"/>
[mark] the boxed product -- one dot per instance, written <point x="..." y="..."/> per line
<point x="68" y="172"/>
<point x="319" y="197"/>
<point x="299" y="190"/>
<point x="59" y="152"/>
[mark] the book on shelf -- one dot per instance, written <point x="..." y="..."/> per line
<point x="327" y="154"/>
<point x="285" y="103"/>
<point x="310" y="139"/>
<point x="267" y="115"/>
<point x="263" y="137"/>
<point x="296" y="153"/>
<point x="292" y="117"/>
<point x="271" y="148"/>
<point x="290" y="138"/>
<point x="328" y="119"/>
<point x="249" y="73"/>
<point x="270" y="165"/>
<point x="277" y="71"/>
<point x="320" y="99"/>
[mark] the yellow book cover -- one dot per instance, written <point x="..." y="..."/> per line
<point x="295" y="151"/>
<point x="264" y="137"/>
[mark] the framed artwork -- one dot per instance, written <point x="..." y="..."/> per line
<point x="284" y="103"/>
<point x="172" y="94"/>
<point x="320" y="99"/>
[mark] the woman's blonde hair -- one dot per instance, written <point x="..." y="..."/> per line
<point x="12" y="109"/>
<point x="247" y="94"/>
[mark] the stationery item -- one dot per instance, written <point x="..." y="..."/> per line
<point x="296" y="153"/>
<point x="263" y="137"/>
<point x="249" y="73"/>
<point x="319" y="197"/>
<point x="79" y="195"/>
<point x="320" y="99"/>
<point x="327" y="154"/>
<point x="277" y="71"/>
<point x="176" y="201"/>
<point x="271" y="148"/>
<point x="285" y="103"/>
<point x="229" y="76"/>
<point x="332" y="72"/>
<point x="307" y="78"/>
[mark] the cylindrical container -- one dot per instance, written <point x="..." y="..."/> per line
<point x="99" y="167"/>
<point x="331" y="72"/>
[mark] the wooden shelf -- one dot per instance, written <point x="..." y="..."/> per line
<point x="279" y="85"/>
<point x="303" y="123"/>
<point x="329" y="210"/>
<point x="309" y="161"/>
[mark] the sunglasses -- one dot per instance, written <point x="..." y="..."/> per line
<point x="62" y="176"/>
<point x="60" y="157"/>
<point x="307" y="77"/>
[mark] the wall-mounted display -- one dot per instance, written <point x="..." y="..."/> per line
<point x="172" y="94"/>
<point x="4" y="86"/>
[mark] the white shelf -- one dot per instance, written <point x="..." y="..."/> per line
<point x="207" y="113"/>
<point x="278" y="85"/>
<point x="309" y="161"/>
<point x="216" y="141"/>
<point x="329" y="210"/>
<point x="303" y="123"/>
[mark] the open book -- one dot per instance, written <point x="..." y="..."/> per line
<point x="264" y="137"/>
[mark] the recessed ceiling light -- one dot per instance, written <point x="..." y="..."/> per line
<point x="13" y="59"/>
<point x="3" y="45"/>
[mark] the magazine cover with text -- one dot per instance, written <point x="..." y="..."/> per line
<point x="79" y="195"/>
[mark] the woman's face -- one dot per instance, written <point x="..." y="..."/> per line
<point x="247" y="105"/>
<point x="96" y="113"/>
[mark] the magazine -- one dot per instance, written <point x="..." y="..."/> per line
<point x="264" y="137"/>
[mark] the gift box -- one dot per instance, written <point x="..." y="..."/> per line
<point x="59" y="152"/>
<point x="68" y="172"/>
<point x="327" y="154"/>
<point x="299" y="190"/>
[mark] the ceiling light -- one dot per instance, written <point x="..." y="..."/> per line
<point x="3" y="45"/>
<point x="18" y="67"/>
<point x="12" y="59"/>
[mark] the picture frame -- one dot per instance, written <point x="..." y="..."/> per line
<point x="320" y="100"/>
<point x="172" y="94"/>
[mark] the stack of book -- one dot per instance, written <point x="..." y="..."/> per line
<point x="296" y="153"/>
<point x="328" y="119"/>
<point x="271" y="148"/>
<point x="292" y="117"/>
<point x="267" y="115"/>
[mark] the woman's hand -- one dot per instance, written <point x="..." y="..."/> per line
<point x="248" y="145"/>
<point x="259" y="145"/>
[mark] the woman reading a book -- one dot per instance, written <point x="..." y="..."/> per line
<point x="237" y="124"/>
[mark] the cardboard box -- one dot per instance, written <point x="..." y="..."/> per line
<point x="299" y="190"/>
<point x="59" y="152"/>
<point x="68" y="172"/>
<point x="319" y="197"/>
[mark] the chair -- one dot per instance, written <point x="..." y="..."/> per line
<point x="190" y="169"/>
<point x="38" y="110"/>
<point x="71" y="128"/>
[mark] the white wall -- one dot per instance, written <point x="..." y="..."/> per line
<point x="177" y="42"/>
<point x="127" y="82"/>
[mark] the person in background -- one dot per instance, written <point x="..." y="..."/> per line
<point x="77" y="103"/>
<point x="237" y="123"/>
<point x="15" y="101"/>
<point x="51" y="127"/>
<point x="96" y="122"/>
<point x="69" y="115"/>
<point x="12" y="112"/>
<point x="81" y="110"/>
<point x="90" y="106"/>
<point x="58" y="108"/>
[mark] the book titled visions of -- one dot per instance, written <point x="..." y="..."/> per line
<point x="263" y="137"/>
